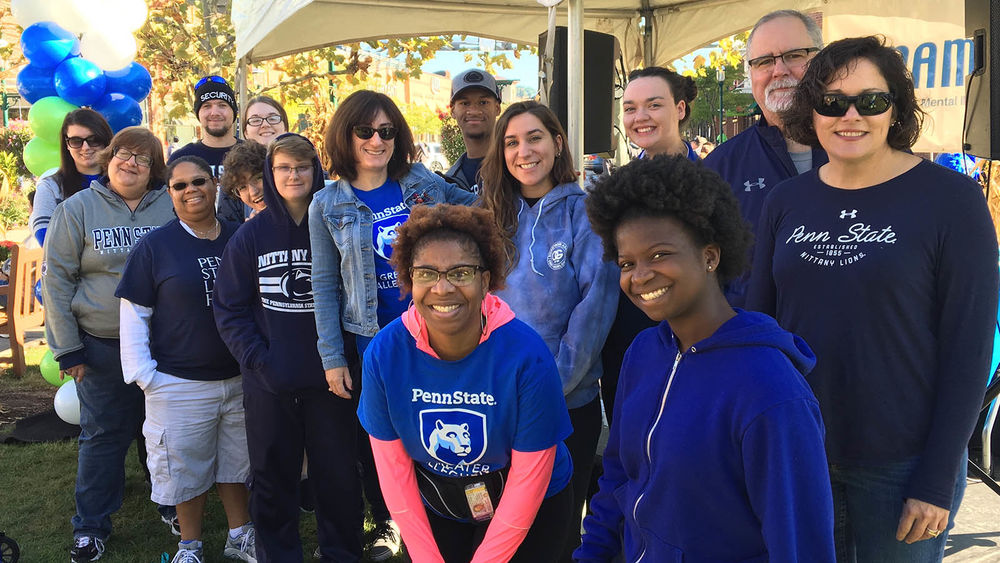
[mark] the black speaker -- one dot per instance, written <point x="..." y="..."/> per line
<point x="982" y="123"/>
<point x="600" y="52"/>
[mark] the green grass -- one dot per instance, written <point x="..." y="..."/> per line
<point x="36" y="501"/>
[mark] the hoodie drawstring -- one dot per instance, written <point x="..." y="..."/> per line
<point x="531" y="247"/>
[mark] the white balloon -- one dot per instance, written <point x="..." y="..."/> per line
<point x="27" y="12"/>
<point x="80" y="16"/>
<point x="67" y="403"/>
<point x="126" y="14"/>
<point x="110" y="50"/>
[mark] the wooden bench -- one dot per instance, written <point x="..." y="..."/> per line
<point x="23" y="310"/>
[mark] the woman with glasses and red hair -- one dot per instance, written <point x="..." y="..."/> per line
<point x="89" y="238"/>
<point x="352" y="225"/>
<point x="84" y="134"/>
<point x="886" y="264"/>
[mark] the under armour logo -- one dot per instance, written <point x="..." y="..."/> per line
<point x="759" y="184"/>
<point x="844" y="214"/>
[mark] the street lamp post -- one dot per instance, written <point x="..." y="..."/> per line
<point x="720" y="76"/>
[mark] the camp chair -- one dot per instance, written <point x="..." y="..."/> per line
<point x="23" y="310"/>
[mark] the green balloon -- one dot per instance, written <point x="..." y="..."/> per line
<point x="40" y="155"/>
<point x="46" y="117"/>
<point x="50" y="370"/>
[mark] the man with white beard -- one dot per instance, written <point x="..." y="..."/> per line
<point x="778" y="51"/>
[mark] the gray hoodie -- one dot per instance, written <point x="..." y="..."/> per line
<point x="89" y="238"/>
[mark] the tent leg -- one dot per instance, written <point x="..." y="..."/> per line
<point x="574" y="82"/>
<point x="241" y="88"/>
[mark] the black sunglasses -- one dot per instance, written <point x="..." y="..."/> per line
<point x="386" y="132"/>
<point x="92" y="142"/>
<point x="181" y="186"/>
<point x="869" y="103"/>
<point x="213" y="78"/>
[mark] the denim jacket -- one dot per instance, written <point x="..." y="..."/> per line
<point x="343" y="268"/>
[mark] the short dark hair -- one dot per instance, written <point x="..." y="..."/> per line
<point x="242" y="163"/>
<point x="460" y="223"/>
<point x="140" y="139"/>
<point x="190" y="159"/>
<point x="835" y="61"/>
<point x="499" y="188"/>
<point x="674" y="187"/>
<point x="269" y="101"/>
<point x="682" y="88"/>
<point x="71" y="179"/>
<point x="360" y="108"/>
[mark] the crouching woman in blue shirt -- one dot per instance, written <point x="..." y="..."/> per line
<point x="716" y="448"/>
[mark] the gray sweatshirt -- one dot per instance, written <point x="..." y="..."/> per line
<point x="89" y="238"/>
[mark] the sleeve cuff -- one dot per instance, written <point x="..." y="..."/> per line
<point x="334" y="361"/>
<point x="74" y="358"/>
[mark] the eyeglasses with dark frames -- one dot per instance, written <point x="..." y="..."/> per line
<point x="364" y="132"/>
<point x="92" y="141"/>
<point x="257" y="121"/>
<point x="792" y="59"/>
<point x="868" y="104"/>
<point x="181" y="186"/>
<point x="140" y="159"/>
<point x="459" y="276"/>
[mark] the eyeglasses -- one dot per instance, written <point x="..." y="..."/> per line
<point x="386" y="133"/>
<point x="869" y="103"/>
<point x="792" y="59"/>
<point x="125" y="154"/>
<point x="289" y="170"/>
<point x="257" y="121"/>
<point x="459" y="276"/>
<point x="246" y="185"/>
<point x="213" y="78"/>
<point x="92" y="142"/>
<point x="181" y="186"/>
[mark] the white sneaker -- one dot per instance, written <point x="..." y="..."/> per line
<point x="386" y="541"/>
<point x="243" y="547"/>
<point x="186" y="555"/>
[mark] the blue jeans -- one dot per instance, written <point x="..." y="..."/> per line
<point x="111" y="414"/>
<point x="867" y="503"/>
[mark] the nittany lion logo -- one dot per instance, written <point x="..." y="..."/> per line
<point x="453" y="436"/>
<point x="383" y="242"/>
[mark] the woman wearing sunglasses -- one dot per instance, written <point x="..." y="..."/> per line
<point x="264" y="120"/>
<point x="886" y="265"/>
<point x="352" y="224"/>
<point x="88" y="240"/>
<point x="464" y="404"/>
<point x="195" y="423"/>
<point x="85" y="133"/>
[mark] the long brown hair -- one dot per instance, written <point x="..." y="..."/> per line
<point x="71" y="179"/>
<point x="360" y="108"/>
<point x="499" y="189"/>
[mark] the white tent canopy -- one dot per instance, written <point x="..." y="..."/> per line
<point x="267" y="29"/>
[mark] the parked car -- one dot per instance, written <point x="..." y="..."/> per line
<point x="433" y="157"/>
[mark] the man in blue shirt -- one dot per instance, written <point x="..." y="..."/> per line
<point x="778" y="51"/>
<point x="475" y="104"/>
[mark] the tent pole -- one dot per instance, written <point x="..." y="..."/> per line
<point x="241" y="89"/>
<point x="574" y="82"/>
<point x="647" y="35"/>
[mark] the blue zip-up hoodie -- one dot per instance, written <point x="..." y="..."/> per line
<point x="715" y="454"/>
<point x="562" y="288"/>
<point x="263" y="297"/>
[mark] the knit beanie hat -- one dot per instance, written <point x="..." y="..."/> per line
<point x="214" y="88"/>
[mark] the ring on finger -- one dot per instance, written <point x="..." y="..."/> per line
<point x="932" y="532"/>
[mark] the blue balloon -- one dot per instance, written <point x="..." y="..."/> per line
<point x="35" y="83"/>
<point x="134" y="81"/>
<point x="80" y="82"/>
<point x="120" y="110"/>
<point x="46" y="44"/>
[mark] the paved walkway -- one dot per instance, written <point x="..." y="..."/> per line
<point x="976" y="536"/>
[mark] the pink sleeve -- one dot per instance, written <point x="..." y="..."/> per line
<point x="526" y="484"/>
<point x="399" y="487"/>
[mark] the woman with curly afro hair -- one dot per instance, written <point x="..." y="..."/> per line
<point x="464" y="404"/>
<point x="716" y="447"/>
